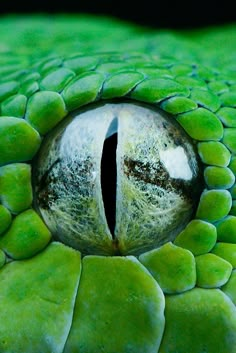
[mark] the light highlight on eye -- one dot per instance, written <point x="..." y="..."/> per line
<point x="176" y="163"/>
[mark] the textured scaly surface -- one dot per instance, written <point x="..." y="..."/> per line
<point x="179" y="297"/>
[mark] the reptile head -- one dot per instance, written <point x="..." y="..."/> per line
<point x="117" y="190"/>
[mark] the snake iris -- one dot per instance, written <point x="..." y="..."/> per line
<point x="117" y="187"/>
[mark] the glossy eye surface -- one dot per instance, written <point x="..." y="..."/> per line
<point x="120" y="178"/>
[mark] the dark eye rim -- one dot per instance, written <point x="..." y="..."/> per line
<point x="49" y="204"/>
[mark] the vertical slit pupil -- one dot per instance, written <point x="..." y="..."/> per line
<point x="109" y="174"/>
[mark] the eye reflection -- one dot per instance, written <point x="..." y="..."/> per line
<point x="175" y="161"/>
<point x="117" y="178"/>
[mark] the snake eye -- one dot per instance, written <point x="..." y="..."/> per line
<point x="118" y="178"/>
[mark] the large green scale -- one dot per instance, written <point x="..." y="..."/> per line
<point x="176" y="295"/>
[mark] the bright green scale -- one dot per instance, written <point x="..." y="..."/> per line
<point x="176" y="298"/>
